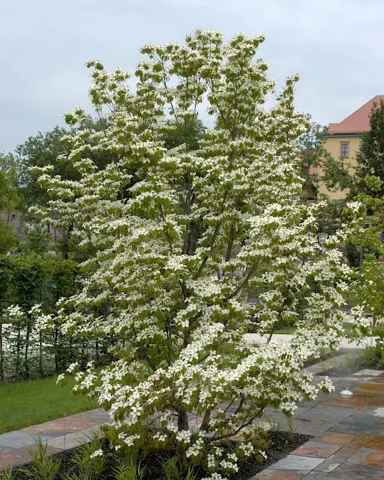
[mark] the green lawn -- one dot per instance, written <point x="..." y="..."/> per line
<point x="348" y="327"/>
<point x="286" y="330"/>
<point x="37" y="401"/>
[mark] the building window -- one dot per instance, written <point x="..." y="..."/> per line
<point x="344" y="149"/>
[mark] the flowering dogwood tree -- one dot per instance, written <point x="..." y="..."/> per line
<point x="176" y="238"/>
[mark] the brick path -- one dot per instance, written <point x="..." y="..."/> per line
<point x="348" y="434"/>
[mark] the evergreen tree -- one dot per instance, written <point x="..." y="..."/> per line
<point x="314" y="156"/>
<point x="371" y="156"/>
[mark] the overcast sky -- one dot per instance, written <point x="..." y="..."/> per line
<point x="335" y="45"/>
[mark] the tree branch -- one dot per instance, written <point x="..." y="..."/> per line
<point x="235" y="432"/>
<point x="230" y="243"/>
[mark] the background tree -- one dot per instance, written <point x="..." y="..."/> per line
<point x="370" y="161"/>
<point x="8" y="240"/>
<point x="9" y="188"/>
<point x="9" y="202"/>
<point x="181" y="132"/>
<point x="368" y="184"/>
<point x="41" y="150"/>
<point x="314" y="156"/>
<point x="50" y="150"/>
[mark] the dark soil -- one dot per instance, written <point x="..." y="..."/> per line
<point x="281" y="444"/>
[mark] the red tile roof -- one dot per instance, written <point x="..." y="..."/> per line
<point x="358" y="121"/>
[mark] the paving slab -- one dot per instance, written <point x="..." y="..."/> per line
<point x="57" y="428"/>
<point x="19" y="439"/>
<point x="361" y="419"/>
<point x="376" y="457"/>
<point x="312" y="415"/>
<point x="369" y="410"/>
<point x="315" y="476"/>
<point x="315" y="427"/>
<point x="340" y="412"/>
<point x="376" y="443"/>
<point x="74" y="439"/>
<point x="366" y="372"/>
<point x="20" y="456"/>
<point x="341" y="401"/>
<point x="316" y="449"/>
<point x="336" y="438"/>
<point x="277" y="475"/>
<point x="346" y="427"/>
<point x="361" y="455"/>
<point x="372" y="386"/>
<point x="351" y="471"/>
<point x="298" y="463"/>
<point x="330" y="464"/>
<point x="363" y="439"/>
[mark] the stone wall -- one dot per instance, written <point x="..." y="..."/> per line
<point x="16" y="220"/>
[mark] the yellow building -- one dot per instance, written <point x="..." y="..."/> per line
<point x="343" y="141"/>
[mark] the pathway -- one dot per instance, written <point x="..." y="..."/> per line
<point x="348" y="434"/>
<point x="60" y="434"/>
<point x="346" y="343"/>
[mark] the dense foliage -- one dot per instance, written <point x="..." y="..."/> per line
<point x="317" y="166"/>
<point x="28" y="345"/>
<point x="371" y="156"/>
<point x="40" y="151"/>
<point x="9" y="202"/>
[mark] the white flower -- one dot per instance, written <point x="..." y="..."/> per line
<point x="73" y="367"/>
<point x="97" y="453"/>
<point x="60" y="379"/>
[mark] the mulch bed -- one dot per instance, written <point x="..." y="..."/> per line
<point x="281" y="444"/>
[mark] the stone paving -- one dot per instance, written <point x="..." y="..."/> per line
<point x="346" y="343"/>
<point x="60" y="434"/>
<point x="347" y="443"/>
<point x="348" y="434"/>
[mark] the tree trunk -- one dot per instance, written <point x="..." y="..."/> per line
<point x="361" y="261"/>
<point x="1" y="354"/>
<point x="83" y="356"/>
<point x="56" y="352"/>
<point x="97" y="353"/>
<point x="41" y="354"/>
<point x="183" y="424"/>
<point x="18" y="348"/>
<point x="26" y="350"/>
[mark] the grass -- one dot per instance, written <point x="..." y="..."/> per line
<point x="286" y="330"/>
<point x="37" y="401"/>
<point x="379" y="330"/>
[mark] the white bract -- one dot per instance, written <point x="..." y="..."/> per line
<point x="177" y="239"/>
